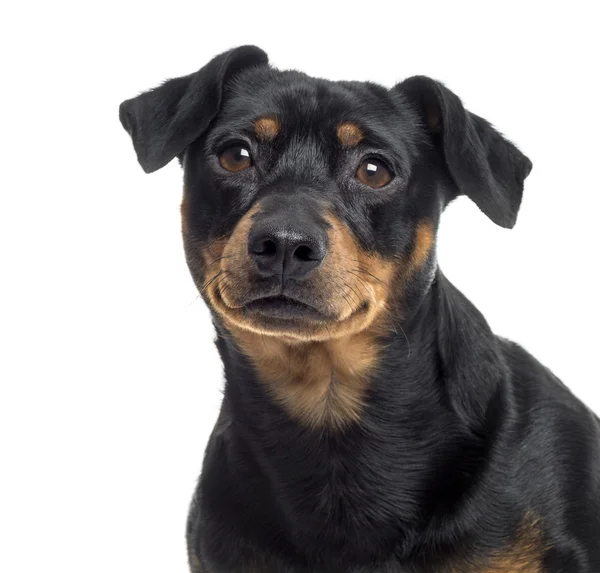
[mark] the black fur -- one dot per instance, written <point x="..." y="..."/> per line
<point x="463" y="435"/>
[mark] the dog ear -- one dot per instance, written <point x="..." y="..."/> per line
<point x="162" y="122"/>
<point x="482" y="163"/>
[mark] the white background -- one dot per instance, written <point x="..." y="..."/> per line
<point x="110" y="382"/>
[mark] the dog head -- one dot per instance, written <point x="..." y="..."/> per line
<point x="311" y="207"/>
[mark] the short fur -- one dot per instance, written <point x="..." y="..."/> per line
<point x="390" y="431"/>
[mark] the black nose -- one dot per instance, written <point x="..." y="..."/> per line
<point x="286" y="250"/>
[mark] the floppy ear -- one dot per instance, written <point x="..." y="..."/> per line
<point x="482" y="163"/>
<point x="162" y="122"/>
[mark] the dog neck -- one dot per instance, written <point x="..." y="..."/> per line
<point x="319" y="384"/>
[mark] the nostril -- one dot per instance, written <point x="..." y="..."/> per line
<point x="277" y="249"/>
<point x="304" y="253"/>
<point x="266" y="247"/>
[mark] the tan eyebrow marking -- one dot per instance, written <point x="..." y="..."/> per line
<point x="266" y="128"/>
<point x="349" y="134"/>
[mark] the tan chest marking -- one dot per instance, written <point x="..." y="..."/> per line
<point x="318" y="383"/>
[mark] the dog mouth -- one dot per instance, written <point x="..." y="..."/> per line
<point x="282" y="307"/>
<point x="278" y="314"/>
<point x="285" y="310"/>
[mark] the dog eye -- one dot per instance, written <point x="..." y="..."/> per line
<point x="374" y="173"/>
<point x="235" y="158"/>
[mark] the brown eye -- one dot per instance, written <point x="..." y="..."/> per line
<point x="235" y="158"/>
<point x="374" y="173"/>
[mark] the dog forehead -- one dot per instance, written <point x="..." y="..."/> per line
<point x="299" y="99"/>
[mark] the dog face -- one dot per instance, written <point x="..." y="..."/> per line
<point x="301" y="176"/>
<point x="310" y="207"/>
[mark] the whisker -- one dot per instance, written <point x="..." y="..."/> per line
<point x="367" y="286"/>
<point x="208" y="283"/>
<point x="352" y="289"/>
<point x="218" y="259"/>
<point x="371" y="275"/>
<point x="224" y="288"/>
<point x="348" y="301"/>
<point x="395" y="323"/>
<point x="406" y="338"/>
<point x="194" y="300"/>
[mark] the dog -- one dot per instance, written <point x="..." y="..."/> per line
<point x="371" y="421"/>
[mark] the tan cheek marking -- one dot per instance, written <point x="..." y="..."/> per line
<point x="423" y="244"/>
<point x="349" y="134"/>
<point x="266" y="128"/>
<point x="212" y="255"/>
<point x="362" y="276"/>
<point x="219" y="260"/>
<point x="235" y="259"/>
